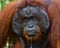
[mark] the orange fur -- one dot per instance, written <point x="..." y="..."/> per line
<point x="53" y="11"/>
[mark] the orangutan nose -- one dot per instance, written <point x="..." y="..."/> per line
<point x="31" y="26"/>
<point x="31" y="29"/>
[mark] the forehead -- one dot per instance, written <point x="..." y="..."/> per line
<point x="29" y="11"/>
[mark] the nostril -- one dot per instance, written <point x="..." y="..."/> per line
<point x="31" y="26"/>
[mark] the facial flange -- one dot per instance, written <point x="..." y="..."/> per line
<point x="30" y="21"/>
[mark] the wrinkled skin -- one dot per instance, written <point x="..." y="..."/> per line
<point x="53" y="11"/>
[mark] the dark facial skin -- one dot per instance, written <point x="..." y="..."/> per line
<point x="31" y="22"/>
<point x="30" y="26"/>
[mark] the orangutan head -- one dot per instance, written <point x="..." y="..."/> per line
<point x="30" y="23"/>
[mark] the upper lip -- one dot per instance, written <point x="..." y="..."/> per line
<point x="32" y="33"/>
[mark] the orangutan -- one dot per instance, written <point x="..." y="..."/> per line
<point x="35" y="23"/>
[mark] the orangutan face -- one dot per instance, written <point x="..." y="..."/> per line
<point x="30" y="23"/>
